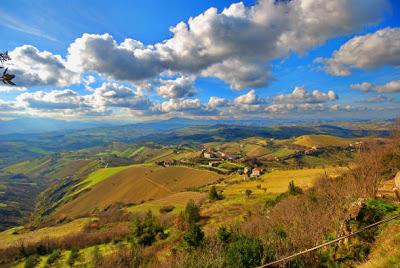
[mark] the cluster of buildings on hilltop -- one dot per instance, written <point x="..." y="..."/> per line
<point x="215" y="156"/>
<point x="210" y="153"/>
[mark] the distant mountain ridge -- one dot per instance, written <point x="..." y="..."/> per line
<point x="29" y="125"/>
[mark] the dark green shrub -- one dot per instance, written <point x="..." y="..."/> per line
<point x="167" y="209"/>
<point x="41" y="250"/>
<point x="248" y="192"/>
<point x="244" y="252"/>
<point x="194" y="237"/>
<point x="213" y="195"/>
<point x="374" y="210"/>
<point x="146" y="231"/>
<point x="192" y="212"/>
<point x="31" y="261"/>
<point x="359" y="251"/>
<point x="53" y="257"/>
<point x="73" y="255"/>
<point x="293" y="189"/>
<point x="224" y="235"/>
<point x="97" y="258"/>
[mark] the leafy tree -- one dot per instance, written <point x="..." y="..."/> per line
<point x="194" y="237"/>
<point x="192" y="212"/>
<point x="147" y="230"/>
<point x="224" y="235"/>
<point x="244" y="252"/>
<point x="213" y="195"/>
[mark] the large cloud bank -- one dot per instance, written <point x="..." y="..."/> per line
<point x="235" y="45"/>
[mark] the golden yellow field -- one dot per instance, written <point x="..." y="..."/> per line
<point x="236" y="206"/>
<point x="178" y="200"/>
<point x="8" y="238"/>
<point x="277" y="181"/>
<point x="85" y="256"/>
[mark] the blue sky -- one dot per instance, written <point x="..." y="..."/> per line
<point x="273" y="64"/>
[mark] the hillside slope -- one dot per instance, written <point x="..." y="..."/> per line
<point x="134" y="185"/>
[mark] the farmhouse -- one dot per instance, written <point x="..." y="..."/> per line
<point x="256" y="172"/>
<point x="209" y="153"/>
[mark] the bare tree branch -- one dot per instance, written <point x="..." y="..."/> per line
<point x="6" y="77"/>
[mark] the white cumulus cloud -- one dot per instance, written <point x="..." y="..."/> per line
<point x="178" y="88"/>
<point x="40" y="68"/>
<point x="300" y="95"/>
<point x="389" y="87"/>
<point x="381" y="48"/>
<point x="235" y="45"/>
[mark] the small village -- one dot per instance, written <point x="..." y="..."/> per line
<point x="222" y="162"/>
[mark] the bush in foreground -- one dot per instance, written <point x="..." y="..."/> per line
<point x="146" y="231"/>
<point x="31" y="261"/>
<point x="53" y="257"/>
<point x="194" y="237"/>
<point x="73" y="255"/>
<point x="244" y="252"/>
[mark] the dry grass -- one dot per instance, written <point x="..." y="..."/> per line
<point x="135" y="185"/>
<point x="277" y="181"/>
<point x="386" y="252"/>
<point x="7" y="238"/>
<point x="178" y="200"/>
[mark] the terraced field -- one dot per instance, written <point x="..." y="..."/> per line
<point x="133" y="185"/>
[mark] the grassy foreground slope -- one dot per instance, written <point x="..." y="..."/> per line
<point x="386" y="252"/>
<point x="133" y="185"/>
